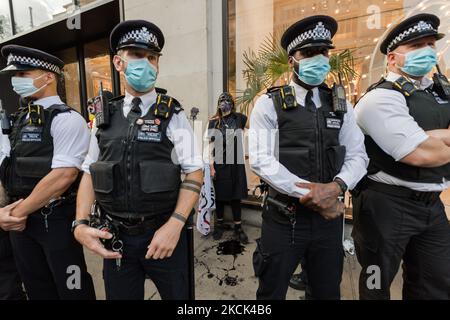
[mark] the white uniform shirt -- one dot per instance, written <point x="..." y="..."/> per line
<point x="70" y="134"/>
<point x="384" y="115"/>
<point x="264" y="122"/>
<point x="179" y="132"/>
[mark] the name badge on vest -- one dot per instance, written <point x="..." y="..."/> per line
<point x="149" y="133"/>
<point x="440" y="100"/>
<point x="32" y="134"/>
<point x="332" y="121"/>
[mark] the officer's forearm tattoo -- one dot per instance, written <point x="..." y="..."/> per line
<point x="191" y="185"/>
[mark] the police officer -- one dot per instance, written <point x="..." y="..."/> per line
<point x="45" y="150"/>
<point x="398" y="214"/>
<point x="321" y="154"/>
<point x="133" y="170"/>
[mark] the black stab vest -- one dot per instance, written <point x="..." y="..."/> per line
<point x="429" y="115"/>
<point x="135" y="175"/>
<point x="31" y="154"/>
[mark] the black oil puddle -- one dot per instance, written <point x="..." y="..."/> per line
<point x="226" y="248"/>
<point x="230" y="248"/>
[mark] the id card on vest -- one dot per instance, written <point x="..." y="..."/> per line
<point x="32" y="134"/>
<point x="333" y="121"/>
<point x="439" y="99"/>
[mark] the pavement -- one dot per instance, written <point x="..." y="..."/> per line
<point x="221" y="277"/>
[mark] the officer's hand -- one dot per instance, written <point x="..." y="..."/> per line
<point x="212" y="172"/>
<point x="90" y="238"/>
<point x="322" y="197"/>
<point x="10" y="223"/>
<point x="333" y="212"/>
<point x="165" y="240"/>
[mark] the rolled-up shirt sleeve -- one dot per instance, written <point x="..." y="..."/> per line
<point x="70" y="140"/>
<point x="384" y="116"/>
<point x="5" y="147"/>
<point x="93" y="153"/>
<point x="262" y="145"/>
<point x="356" y="160"/>
<point x="186" y="148"/>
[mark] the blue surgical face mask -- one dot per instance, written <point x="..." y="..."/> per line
<point x="140" y="74"/>
<point x="419" y="62"/>
<point x="313" y="71"/>
<point x="24" y="87"/>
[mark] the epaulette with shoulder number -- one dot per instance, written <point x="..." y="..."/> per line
<point x="376" y="84"/>
<point x="60" y="108"/>
<point x="115" y="103"/>
<point x="325" y="87"/>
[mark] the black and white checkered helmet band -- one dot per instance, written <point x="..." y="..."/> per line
<point x="318" y="33"/>
<point x="420" y="27"/>
<point x="142" y="35"/>
<point x="33" y="62"/>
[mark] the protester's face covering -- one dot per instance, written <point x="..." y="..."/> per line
<point x="225" y="107"/>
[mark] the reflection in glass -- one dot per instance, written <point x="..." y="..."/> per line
<point x="98" y="67"/>
<point x="362" y="23"/>
<point x="5" y="21"/>
<point x="32" y="13"/>
<point x="69" y="88"/>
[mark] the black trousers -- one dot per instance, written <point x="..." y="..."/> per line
<point x="316" y="240"/>
<point x="51" y="264"/>
<point x="10" y="283"/>
<point x="388" y="229"/>
<point x="170" y="275"/>
<point x="235" y="208"/>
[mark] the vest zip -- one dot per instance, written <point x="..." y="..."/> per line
<point x="318" y="149"/>
<point x="128" y="148"/>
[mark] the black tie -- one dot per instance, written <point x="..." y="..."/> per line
<point x="309" y="104"/>
<point x="135" y="111"/>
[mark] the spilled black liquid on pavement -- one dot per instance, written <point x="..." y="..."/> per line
<point x="226" y="248"/>
<point x="230" y="248"/>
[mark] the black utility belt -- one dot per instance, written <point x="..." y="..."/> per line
<point x="403" y="192"/>
<point x="139" y="225"/>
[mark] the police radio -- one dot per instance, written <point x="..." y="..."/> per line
<point x="101" y="109"/>
<point x="339" y="98"/>
<point x="4" y="120"/>
<point x="441" y="84"/>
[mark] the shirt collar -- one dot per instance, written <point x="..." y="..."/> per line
<point x="147" y="99"/>
<point x="48" y="101"/>
<point x="421" y="84"/>
<point x="301" y="93"/>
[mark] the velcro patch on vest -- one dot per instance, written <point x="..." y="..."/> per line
<point x="333" y="123"/>
<point x="148" y="136"/>
<point x="31" y="136"/>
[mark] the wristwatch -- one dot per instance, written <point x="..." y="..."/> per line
<point x="341" y="185"/>
<point x="77" y="223"/>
